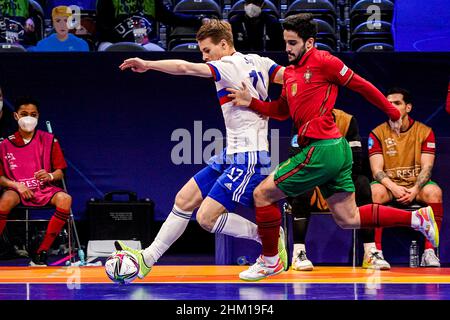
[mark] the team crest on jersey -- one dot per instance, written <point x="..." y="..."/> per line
<point x="294" y="89"/>
<point x="390" y="143"/>
<point x="307" y="75"/>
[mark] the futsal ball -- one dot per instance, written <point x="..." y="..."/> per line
<point x="122" y="267"/>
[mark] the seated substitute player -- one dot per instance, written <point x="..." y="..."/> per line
<point x="302" y="205"/>
<point x="230" y="177"/>
<point x="31" y="162"/>
<point x="402" y="165"/>
<point x="310" y="87"/>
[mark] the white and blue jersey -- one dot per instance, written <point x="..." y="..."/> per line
<point x="232" y="176"/>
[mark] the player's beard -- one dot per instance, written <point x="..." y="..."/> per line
<point x="299" y="57"/>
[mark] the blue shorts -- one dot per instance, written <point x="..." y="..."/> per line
<point x="231" y="179"/>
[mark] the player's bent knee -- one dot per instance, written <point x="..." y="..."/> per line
<point x="204" y="221"/>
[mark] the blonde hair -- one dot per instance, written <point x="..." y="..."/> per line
<point x="216" y="30"/>
<point x="61" y="11"/>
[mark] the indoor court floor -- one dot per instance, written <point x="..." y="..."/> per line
<point x="196" y="282"/>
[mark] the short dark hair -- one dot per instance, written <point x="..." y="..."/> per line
<point x="303" y="24"/>
<point x="405" y="93"/>
<point x="24" y="100"/>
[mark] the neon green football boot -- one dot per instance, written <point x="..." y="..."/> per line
<point x="282" y="253"/>
<point x="143" y="268"/>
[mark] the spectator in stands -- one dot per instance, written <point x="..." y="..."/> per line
<point x="7" y="125"/>
<point x="304" y="204"/>
<point x="17" y="22"/>
<point x="116" y="20"/>
<point x="402" y="165"/>
<point x="62" y="40"/>
<point x="31" y="163"/>
<point x="256" y="30"/>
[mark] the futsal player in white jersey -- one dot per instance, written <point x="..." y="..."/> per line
<point x="230" y="177"/>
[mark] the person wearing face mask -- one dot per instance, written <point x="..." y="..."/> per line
<point x="7" y="123"/>
<point x="31" y="164"/>
<point x="255" y="29"/>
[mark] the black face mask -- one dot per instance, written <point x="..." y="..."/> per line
<point x="299" y="57"/>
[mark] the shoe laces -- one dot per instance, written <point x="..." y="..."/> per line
<point x="376" y="255"/>
<point x="259" y="264"/>
<point x="302" y="256"/>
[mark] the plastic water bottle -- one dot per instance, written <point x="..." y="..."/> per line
<point x="140" y="32"/>
<point x="413" y="255"/>
<point x="242" y="261"/>
<point x="12" y="33"/>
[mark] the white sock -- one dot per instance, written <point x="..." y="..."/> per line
<point x="415" y="221"/>
<point x="368" y="246"/>
<point x="298" y="247"/>
<point x="236" y="226"/>
<point x="170" y="231"/>
<point x="271" y="261"/>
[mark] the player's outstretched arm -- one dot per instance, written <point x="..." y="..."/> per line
<point x="278" y="109"/>
<point x="175" y="67"/>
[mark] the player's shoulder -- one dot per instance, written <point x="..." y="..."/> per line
<point x="421" y="125"/>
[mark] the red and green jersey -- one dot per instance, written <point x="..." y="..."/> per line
<point x="309" y="93"/>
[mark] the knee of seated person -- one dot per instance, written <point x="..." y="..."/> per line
<point x="433" y="194"/>
<point x="63" y="200"/>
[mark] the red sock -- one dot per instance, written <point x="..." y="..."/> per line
<point x="3" y="217"/>
<point x="268" y="219"/>
<point x="378" y="237"/>
<point x="54" y="228"/>
<point x="375" y="215"/>
<point x="438" y="211"/>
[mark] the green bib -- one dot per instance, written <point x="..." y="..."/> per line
<point x="14" y="8"/>
<point x="129" y="7"/>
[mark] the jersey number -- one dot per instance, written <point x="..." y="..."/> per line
<point x="231" y="174"/>
<point x="255" y="76"/>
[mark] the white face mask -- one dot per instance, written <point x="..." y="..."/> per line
<point x="1" y="105"/>
<point x="252" y="10"/>
<point x="28" y="124"/>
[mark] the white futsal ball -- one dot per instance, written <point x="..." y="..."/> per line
<point x="122" y="267"/>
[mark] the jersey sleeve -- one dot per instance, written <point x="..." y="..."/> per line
<point x="221" y="70"/>
<point x="58" y="161"/>
<point x="271" y="67"/>
<point x="336" y="71"/>
<point x="374" y="145"/>
<point x="429" y="144"/>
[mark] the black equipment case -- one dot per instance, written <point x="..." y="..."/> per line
<point x="113" y="219"/>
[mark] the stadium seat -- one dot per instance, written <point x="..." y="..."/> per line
<point x="38" y="16"/>
<point x="186" y="47"/>
<point x="268" y="7"/>
<point x="208" y="8"/>
<point x="326" y="34"/>
<point x="320" y="9"/>
<point x="362" y="12"/>
<point x="8" y="47"/>
<point x="179" y="34"/>
<point x="323" y="46"/>
<point x="375" y="47"/>
<point x="365" y="33"/>
<point x="124" y="47"/>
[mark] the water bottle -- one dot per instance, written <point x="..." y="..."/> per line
<point x="12" y="33"/>
<point x="139" y="32"/>
<point x="413" y="255"/>
<point x="242" y="261"/>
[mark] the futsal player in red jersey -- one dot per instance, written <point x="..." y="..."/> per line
<point x="310" y="88"/>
